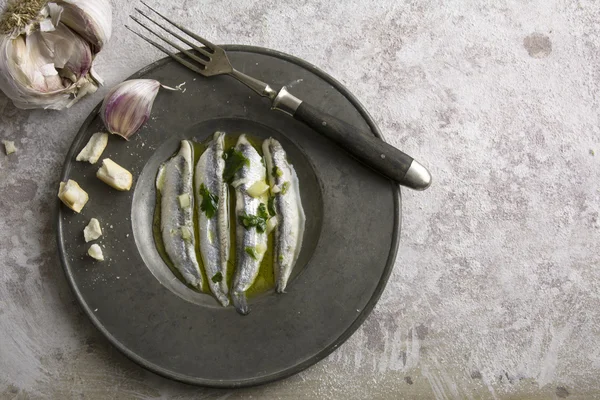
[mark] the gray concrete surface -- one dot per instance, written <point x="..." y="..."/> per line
<point x="495" y="289"/>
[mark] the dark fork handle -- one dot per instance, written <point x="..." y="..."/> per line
<point x="366" y="148"/>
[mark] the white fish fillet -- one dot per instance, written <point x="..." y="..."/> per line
<point x="174" y="182"/>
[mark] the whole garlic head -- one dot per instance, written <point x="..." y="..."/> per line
<point x="44" y="61"/>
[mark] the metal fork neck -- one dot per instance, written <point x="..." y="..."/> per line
<point x="258" y="86"/>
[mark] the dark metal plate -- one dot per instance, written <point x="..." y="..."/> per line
<point x="353" y="219"/>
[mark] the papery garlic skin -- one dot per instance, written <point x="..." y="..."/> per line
<point x="45" y="64"/>
<point x="91" y="19"/>
<point x="127" y="106"/>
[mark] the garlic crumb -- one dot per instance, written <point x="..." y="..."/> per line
<point x="96" y="252"/>
<point x="94" y="148"/>
<point x="72" y="195"/>
<point x="114" y="175"/>
<point x="9" y="147"/>
<point x="92" y="231"/>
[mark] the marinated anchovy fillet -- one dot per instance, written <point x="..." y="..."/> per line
<point x="174" y="182"/>
<point x="251" y="236"/>
<point x="287" y="207"/>
<point x="212" y="201"/>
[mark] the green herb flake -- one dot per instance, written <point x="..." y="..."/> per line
<point x="209" y="202"/>
<point x="277" y="171"/>
<point x="218" y="277"/>
<point x="234" y="161"/>
<point x="271" y="206"/>
<point x="285" y="187"/>
<point x="251" y="251"/>
<point x="262" y="211"/>
<point x="250" y="221"/>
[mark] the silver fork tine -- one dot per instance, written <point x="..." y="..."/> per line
<point x="184" y="51"/>
<point x="171" y="54"/>
<point x="184" y="40"/>
<point x="183" y="29"/>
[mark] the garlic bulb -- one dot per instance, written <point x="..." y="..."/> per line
<point x="91" y="19"/>
<point x="47" y="50"/>
<point x="127" y="106"/>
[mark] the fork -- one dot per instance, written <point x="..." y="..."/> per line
<point x="212" y="60"/>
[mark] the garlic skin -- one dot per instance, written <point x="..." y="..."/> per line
<point x="127" y="106"/>
<point x="91" y="19"/>
<point x="44" y="63"/>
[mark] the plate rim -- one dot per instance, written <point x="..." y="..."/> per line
<point x="365" y="312"/>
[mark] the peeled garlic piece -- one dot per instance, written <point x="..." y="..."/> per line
<point x="258" y="188"/>
<point x="114" y="175"/>
<point x="127" y="106"/>
<point x="271" y="224"/>
<point x="92" y="231"/>
<point x="184" y="200"/>
<point x="96" y="252"/>
<point x="186" y="233"/>
<point x="9" y="147"/>
<point x="94" y="148"/>
<point x="72" y="195"/>
<point x="261" y="248"/>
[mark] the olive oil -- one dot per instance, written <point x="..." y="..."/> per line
<point x="265" y="279"/>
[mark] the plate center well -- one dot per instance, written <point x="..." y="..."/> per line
<point x="144" y="201"/>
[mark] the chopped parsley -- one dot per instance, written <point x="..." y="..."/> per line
<point x="257" y="221"/>
<point x="234" y="161"/>
<point x="209" y="202"/>
<point x="251" y="251"/>
<point x="285" y="187"/>
<point x="271" y="206"/>
<point x="262" y="211"/>
<point x="218" y="277"/>
<point x="277" y="171"/>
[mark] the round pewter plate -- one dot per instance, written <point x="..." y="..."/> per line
<point x="350" y="243"/>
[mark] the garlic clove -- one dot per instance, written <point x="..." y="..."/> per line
<point x="127" y="106"/>
<point x="114" y="175"/>
<point x="92" y="20"/>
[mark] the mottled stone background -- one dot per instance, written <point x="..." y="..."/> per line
<point x="495" y="289"/>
